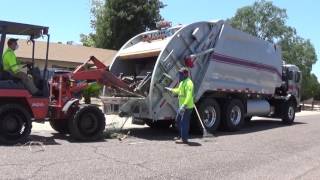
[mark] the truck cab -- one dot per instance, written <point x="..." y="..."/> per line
<point x="291" y="77"/>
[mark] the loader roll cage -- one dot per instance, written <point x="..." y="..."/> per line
<point x="33" y="31"/>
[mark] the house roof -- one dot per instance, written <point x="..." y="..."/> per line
<point x="64" y="52"/>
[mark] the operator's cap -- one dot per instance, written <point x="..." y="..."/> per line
<point x="12" y="40"/>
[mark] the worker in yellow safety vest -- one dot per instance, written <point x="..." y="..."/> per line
<point x="186" y="104"/>
<point x="13" y="66"/>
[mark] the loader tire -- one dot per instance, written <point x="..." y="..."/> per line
<point x="288" y="109"/>
<point x="15" y="124"/>
<point x="210" y="113"/>
<point x="60" y="125"/>
<point x="233" y="116"/>
<point x="87" y="124"/>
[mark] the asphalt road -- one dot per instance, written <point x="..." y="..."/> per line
<point x="264" y="149"/>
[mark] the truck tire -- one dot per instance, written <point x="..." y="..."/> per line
<point x="209" y="111"/>
<point x="15" y="124"/>
<point x="160" y="124"/>
<point x="60" y="125"/>
<point x="87" y="124"/>
<point x="248" y="119"/>
<point x="233" y="116"/>
<point x="288" y="112"/>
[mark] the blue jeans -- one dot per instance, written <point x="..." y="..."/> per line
<point x="183" y="122"/>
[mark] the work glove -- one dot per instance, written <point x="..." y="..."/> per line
<point x="168" y="89"/>
<point x="182" y="109"/>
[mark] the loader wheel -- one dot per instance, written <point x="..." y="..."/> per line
<point x="233" y="116"/>
<point x="288" y="112"/>
<point x="60" y="125"/>
<point x="209" y="111"/>
<point x="87" y="124"/>
<point x="15" y="124"/>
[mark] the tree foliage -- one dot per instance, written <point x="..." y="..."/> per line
<point x="310" y="87"/>
<point x="268" y="22"/>
<point x="116" y="21"/>
<point x="262" y="19"/>
<point x="87" y="40"/>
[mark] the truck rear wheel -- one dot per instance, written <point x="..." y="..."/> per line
<point x="233" y="116"/>
<point x="209" y="111"/>
<point x="60" y="125"/>
<point x="87" y="124"/>
<point x="288" y="112"/>
<point x="15" y="124"/>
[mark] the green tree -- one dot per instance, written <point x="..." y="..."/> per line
<point x="262" y="19"/>
<point x="268" y="22"/>
<point x="310" y="86"/>
<point x="298" y="51"/>
<point x="317" y="94"/>
<point x="87" y="40"/>
<point x="96" y="8"/>
<point x="116" y="21"/>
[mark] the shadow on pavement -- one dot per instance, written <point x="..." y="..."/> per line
<point x="169" y="134"/>
<point x="258" y="125"/>
<point x="71" y="140"/>
<point x="193" y="144"/>
<point x="43" y="139"/>
<point x="153" y="134"/>
<point x="56" y="136"/>
<point x="161" y="135"/>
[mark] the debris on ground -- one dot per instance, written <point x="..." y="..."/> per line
<point x="32" y="144"/>
<point x="124" y="136"/>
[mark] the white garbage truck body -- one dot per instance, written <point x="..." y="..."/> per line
<point x="235" y="75"/>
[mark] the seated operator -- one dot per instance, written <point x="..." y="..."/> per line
<point x="12" y="65"/>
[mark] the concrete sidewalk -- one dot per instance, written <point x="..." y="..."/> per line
<point x="308" y="113"/>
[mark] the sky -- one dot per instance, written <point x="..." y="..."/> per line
<point x="67" y="19"/>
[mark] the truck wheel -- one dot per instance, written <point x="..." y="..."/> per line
<point x="60" y="125"/>
<point x="248" y="119"/>
<point x="15" y="124"/>
<point x="160" y="124"/>
<point x="288" y="112"/>
<point x="233" y="117"/>
<point x="87" y="124"/>
<point x="209" y="111"/>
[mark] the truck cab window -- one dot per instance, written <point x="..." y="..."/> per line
<point x="298" y="77"/>
<point x="285" y="74"/>
<point x="290" y="75"/>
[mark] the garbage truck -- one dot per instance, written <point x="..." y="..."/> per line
<point x="236" y="76"/>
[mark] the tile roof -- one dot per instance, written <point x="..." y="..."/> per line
<point x="64" y="52"/>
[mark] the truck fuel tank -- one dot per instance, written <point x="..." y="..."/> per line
<point x="258" y="107"/>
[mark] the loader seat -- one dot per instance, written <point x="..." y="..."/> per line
<point x="10" y="84"/>
<point x="4" y="75"/>
<point x="7" y="81"/>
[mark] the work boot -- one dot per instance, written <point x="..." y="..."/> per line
<point x="180" y="141"/>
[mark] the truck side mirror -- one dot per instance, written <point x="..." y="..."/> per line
<point x="290" y="75"/>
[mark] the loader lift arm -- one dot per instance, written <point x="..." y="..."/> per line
<point x="101" y="74"/>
